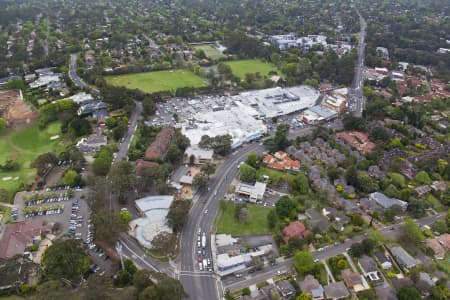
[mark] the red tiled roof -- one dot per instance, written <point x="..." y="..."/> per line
<point x="358" y="140"/>
<point x="295" y="229"/>
<point x="18" y="235"/>
<point x="159" y="147"/>
<point x="142" y="165"/>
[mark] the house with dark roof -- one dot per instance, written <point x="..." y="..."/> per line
<point x="387" y="202"/>
<point x="383" y="259"/>
<point x="336" y="290"/>
<point x="398" y="283"/>
<point x="158" y="149"/>
<point x="385" y="292"/>
<point x="316" y="219"/>
<point x="311" y="286"/>
<point x="404" y="258"/>
<point x="294" y="229"/>
<point x="369" y="268"/>
<point x="286" y="289"/>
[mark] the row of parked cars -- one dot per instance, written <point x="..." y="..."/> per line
<point x="76" y="220"/>
<point x="44" y="211"/>
<point x="47" y="200"/>
<point x="14" y="212"/>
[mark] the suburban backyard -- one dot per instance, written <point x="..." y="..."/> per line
<point x="151" y="82"/>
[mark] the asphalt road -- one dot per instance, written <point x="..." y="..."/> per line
<point x="233" y="283"/>
<point x="73" y="71"/>
<point x="200" y="284"/>
<point x="356" y="93"/>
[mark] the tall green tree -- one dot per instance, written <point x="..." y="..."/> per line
<point x="66" y="259"/>
<point x="304" y="262"/>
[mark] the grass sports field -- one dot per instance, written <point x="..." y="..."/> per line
<point x="242" y="67"/>
<point x="257" y="223"/>
<point x="151" y="82"/>
<point x="210" y="51"/>
<point x="24" y="146"/>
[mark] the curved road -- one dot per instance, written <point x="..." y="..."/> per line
<point x="198" y="284"/>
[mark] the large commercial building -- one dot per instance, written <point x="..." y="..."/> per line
<point x="241" y="115"/>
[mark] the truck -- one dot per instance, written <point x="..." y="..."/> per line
<point x="203" y="240"/>
<point x="205" y="265"/>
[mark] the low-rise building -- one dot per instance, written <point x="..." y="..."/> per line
<point x="286" y="288"/>
<point x="383" y="259"/>
<point x="352" y="280"/>
<point x="387" y="202"/>
<point x="294" y="229"/>
<point x="143" y="166"/>
<point x="444" y="240"/>
<point x="281" y="161"/>
<point x="311" y="286"/>
<point x="92" y="143"/>
<point x="369" y="268"/>
<point x="336" y="290"/>
<point x="404" y="258"/>
<point x="253" y="192"/>
<point x="201" y="156"/>
<point x="358" y="140"/>
<point x="159" y="147"/>
<point x="439" y="251"/>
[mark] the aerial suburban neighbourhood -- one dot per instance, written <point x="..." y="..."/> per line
<point x="206" y="150"/>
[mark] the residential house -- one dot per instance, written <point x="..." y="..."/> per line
<point x="159" y="147"/>
<point x="444" y="240"/>
<point x="311" y="286"/>
<point x="281" y="161"/>
<point x="337" y="217"/>
<point x="336" y="290"/>
<point x="387" y="202"/>
<point x="316" y="219"/>
<point x="201" y="156"/>
<point x="286" y="289"/>
<point x="404" y="258"/>
<point x="398" y="283"/>
<point x="352" y="280"/>
<point x="439" y="186"/>
<point x="369" y="268"/>
<point x="424" y="282"/>
<point x="358" y="140"/>
<point x="439" y="251"/>
<point x="422" y="190"/>
<point x="383" y="259"/>
<point x="92" y="143"/>
<point x="294" y="229"/>
<point x="385" y="292"/>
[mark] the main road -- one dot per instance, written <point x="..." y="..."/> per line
<point x="356" y="95"/>
<point x="201" y="284"/>
<point x="73" y="71"/>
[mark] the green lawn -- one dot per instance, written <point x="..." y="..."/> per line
<point x="24" y="146"/>
<point x="257" y="223"/>
<point x="242" y="67"/>
<point x="275" y="176"/>
<point x="210" y="51"/>
<point x="151" y="82"/>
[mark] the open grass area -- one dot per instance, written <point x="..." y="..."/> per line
<point x="24" y="146"/>
<point x="242" y="67"/>
<point x="275" y="176"/>
<point x="257" y="223"/>
<point x="151" y="82"/>
<point x="210" y="51"/>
